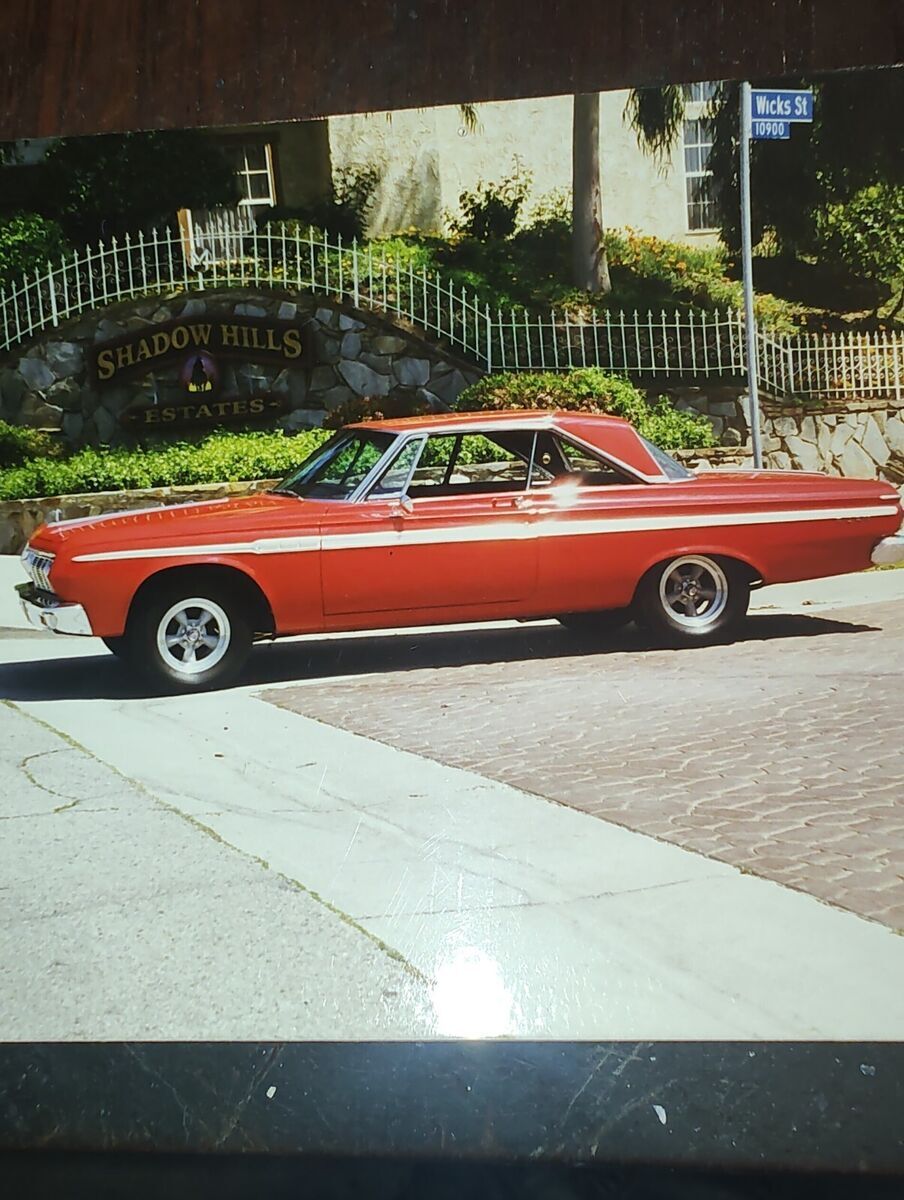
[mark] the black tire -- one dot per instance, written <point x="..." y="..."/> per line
<point x="596" y="624"/>
<point x="217" y="612"/>
<point x="693" y="599"/>
<point x="116" y="645"/>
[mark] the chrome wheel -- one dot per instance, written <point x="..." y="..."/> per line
<point x="693" y="592"/>
<point x="193" y="635"/>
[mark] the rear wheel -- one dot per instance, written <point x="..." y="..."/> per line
<point x="592" y="624"/>
<point x="693" y="599"/>
<point x="188" y="636"/>
<point x="116" y="645"/>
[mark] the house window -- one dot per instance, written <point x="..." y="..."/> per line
<point x="254" y="169"/>
<point x="700" y="93"/>
<point x="702" y="212"/>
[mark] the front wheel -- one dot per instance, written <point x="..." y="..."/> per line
<point x="188" y="638"/>
<point x="693" y="599"/>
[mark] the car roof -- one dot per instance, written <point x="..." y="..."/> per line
<point x="453" y="422"/>
<point x="615" y="437"/>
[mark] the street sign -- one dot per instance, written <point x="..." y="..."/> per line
<point x="778" y="104"/>
<point x="765" y="113"/>
<point x="770" y="130"/>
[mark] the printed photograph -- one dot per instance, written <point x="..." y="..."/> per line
<point x="450" y="568"/>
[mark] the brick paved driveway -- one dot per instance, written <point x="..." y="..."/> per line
<point x="781" y="754"/>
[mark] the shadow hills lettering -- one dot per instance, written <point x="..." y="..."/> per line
<point x="251" y="339"/>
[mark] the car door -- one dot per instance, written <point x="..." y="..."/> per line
<point x="460" y="545"/>
<point x="589" y="545"/>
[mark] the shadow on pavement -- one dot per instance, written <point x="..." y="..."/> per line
<point x="103" y="677"/>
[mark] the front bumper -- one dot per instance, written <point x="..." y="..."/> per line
<point x="889" y="550"/>
<point x="45" y="611"/>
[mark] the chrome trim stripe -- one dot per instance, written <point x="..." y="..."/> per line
<point x="499" y="531"/>
<point x="295" y="545"/>
<point x="526" y="530"/>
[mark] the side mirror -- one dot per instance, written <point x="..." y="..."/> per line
<point x="405" y="505"/>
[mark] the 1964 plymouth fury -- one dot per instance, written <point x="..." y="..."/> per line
<point x="451" y="518"/>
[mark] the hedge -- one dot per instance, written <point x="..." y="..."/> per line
<point x="19" y="444"/>
<point x="590" y="390"/>
<point x="220" y="458"/>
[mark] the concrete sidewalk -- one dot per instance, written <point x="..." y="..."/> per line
<point x="523" y="918"/>
<point x="121" y="919"/>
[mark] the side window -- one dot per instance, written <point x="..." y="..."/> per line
<point x="589" y="469"/>
<point x="484" y="461"/>
<point x="474" y="463"/>
<point x="395" y="478"/>
<point x="435" y="465"/>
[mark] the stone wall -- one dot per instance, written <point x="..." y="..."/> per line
<point x="862" y="439"/>
<point x="45" y="384"/>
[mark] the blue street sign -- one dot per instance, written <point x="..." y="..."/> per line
<point x="780" y="130"/>
<point x="776" y="104"/>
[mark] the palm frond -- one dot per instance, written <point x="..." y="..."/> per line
<point x="468" y="114"/>
<point x="656" y="115"/>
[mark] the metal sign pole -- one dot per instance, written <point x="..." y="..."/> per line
<point x="747" y="267"/>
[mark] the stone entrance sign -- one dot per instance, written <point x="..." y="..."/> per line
<point x="154" y="369"/>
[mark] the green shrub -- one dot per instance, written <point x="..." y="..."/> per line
<point x="220" y="458"/>
<point x="27" y="241"/>
<point x="867" y="235"/>
<point x="404" y="402"/>
<point x="116" y="183"/>
<point x="18" y="445"/>
<point x="590" y="390"/>
<point x="490" y="212"/>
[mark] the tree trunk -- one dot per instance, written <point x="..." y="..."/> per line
<point x="590" y="270"/>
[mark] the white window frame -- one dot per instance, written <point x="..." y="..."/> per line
<point x="245" y="172"/>
<point x="697" y="97"/>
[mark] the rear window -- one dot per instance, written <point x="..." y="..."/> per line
<point x="669" y="466"/>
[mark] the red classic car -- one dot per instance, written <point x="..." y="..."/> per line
<point x="451" y="518"/>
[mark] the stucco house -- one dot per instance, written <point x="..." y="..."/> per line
<point x="425" y="159"/>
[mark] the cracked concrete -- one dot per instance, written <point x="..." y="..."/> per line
<point x="123" y="920"/>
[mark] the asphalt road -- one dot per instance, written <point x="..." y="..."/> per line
<point x="467" y="833"/>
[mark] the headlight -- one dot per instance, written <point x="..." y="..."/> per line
<point x="37" y="564"/>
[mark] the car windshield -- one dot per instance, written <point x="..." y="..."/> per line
<point x="335" y="470"/>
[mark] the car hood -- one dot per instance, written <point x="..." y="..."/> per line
<point x="265" y="514"/>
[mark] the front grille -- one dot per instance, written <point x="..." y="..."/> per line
<point x="37" y="564"/>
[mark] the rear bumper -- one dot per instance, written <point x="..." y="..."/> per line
<point x="889" y="550"/>
<point x="46" y="612"/>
